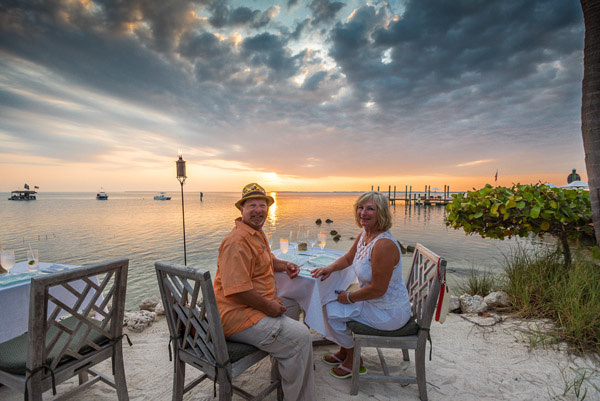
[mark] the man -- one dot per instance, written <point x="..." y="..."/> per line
<point x="246" y="296"/>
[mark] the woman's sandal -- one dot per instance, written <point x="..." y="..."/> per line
<point x="362" y="371"/>
<point x="326" y="362"/>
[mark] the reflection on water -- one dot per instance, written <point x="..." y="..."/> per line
<point x="75" y="228"/>
<point x="272" y="219"/>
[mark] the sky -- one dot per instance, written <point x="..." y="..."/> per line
<point x="316" y="95"/>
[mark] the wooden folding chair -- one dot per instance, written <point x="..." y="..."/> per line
<point x="197" y="334"/>
<point x="63" y="339"/>
<point x="427" y="271"/>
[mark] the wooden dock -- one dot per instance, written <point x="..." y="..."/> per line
<point x="425" y="198"/>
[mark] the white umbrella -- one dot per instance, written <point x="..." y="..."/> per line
<point x="576" y="185"/>
<point x="435" y="189"/>
<point x="550" y="185"/>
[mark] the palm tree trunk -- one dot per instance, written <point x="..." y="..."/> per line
<point x="590" y="105"/>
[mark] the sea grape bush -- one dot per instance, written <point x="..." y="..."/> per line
<point x="500" y="212"/>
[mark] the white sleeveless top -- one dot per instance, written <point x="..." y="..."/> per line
<point x="396" y="295"/>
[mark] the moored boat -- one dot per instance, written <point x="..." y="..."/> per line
<point x="162" y="196"/>
<point x="102" y="195"/>
<point x="22" y="194"/>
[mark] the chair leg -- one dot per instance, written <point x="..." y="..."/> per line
<point x="225" y="386"/>
<point x="120" y="381"/>
<point x="405" y="355"/>
<point x="420" y="370"/>
<point x="386" y="371"/>
<point x="355" y="368"/>
<point x="35" y="387"/>
<point x="83" y="376"/>
<point x="178" y="378"/>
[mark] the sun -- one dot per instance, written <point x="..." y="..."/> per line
<point x="271" y="177"/>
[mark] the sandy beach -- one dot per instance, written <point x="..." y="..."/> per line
<point x="469" y="362"/>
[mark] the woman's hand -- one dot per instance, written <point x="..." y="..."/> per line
<point x="323" y="272"/>
<point x="344" y="297"/>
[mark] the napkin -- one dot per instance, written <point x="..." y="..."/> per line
<point x="322" y="261"/>
<point x="54" y="268"/>
<point x="305" y="271"/>
<point x="15" y="278"/>
<point x="297" y="259"/>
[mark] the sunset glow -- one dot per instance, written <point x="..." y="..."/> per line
<point x="298" y="96"/>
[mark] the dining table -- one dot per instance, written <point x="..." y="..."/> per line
<point x="313" y="293"/>
<point x="14" y="296"/>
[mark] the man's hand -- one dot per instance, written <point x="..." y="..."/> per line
<point x="271" y="308"/>
<point x="275" y="308"/>
<point x="292" y="269"/>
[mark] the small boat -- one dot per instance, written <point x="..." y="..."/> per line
<point x="102" y="195"/>
<point x="162" y="196"/>
<point x="22" y="194"/>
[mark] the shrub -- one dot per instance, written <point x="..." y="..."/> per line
<point x="478" y="283"/>
<point x="540" y="285"/>
<point x="499" y="212"/>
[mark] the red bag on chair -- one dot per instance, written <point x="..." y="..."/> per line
<point x="443" y="303"/>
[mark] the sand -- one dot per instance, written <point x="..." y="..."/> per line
<point x="469" y="363"/>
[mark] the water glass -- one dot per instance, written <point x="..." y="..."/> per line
<point x="7" y="260"/>
<point x="322" y="241"/>
<point x="283" y="245"/>
<point x="32" y="260"/>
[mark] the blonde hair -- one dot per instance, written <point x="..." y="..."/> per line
<point x="384" y="216"/>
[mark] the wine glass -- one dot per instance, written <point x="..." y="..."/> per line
<point x="7" y="259"/>
<point x="270" y="239"/>
<point x="283" y="245"/>
<point x="322" y="241"/>
<point x="294" y="240"/>
<point x="312" y="238"/>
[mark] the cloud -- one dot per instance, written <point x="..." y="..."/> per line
<point x="381" y="83"/>
<point x="475" y="163"/>
<point x="324" y="10"/>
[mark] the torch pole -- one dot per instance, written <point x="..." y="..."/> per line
<point x="183" y="216"/>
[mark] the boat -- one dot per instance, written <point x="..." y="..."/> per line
<point x="22" y="194"/>
<point x="102" y="196"/>
<point x="162" y="196"/>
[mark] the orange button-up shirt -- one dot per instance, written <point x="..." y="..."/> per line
<point x="245" y="263"/>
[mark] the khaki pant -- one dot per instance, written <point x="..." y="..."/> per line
<point x="290" y="343"/>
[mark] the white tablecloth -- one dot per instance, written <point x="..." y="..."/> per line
<point x="312" y="293"/>
<point x="14" y="301"/>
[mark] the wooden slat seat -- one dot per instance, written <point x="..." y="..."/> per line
<point x="14" y="351"/>
<point x="54" y="349"/>
<point x="197" y="334"/>
<point x="427" y="270"/>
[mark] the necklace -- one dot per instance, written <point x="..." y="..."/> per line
<point x="369" y="238"/>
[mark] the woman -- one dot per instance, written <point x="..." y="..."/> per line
<point x="382" y="300"/>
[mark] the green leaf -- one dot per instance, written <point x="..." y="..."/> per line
<point x="535" y="212"/>
<point x="545" y="225"/>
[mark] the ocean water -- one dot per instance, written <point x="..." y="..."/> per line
<point x="75" y="228"/>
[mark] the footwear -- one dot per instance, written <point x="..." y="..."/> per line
<point x="363" y="370"/>
<point x="326" y="362"/>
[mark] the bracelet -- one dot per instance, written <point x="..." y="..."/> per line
<point x="348" y="298"/>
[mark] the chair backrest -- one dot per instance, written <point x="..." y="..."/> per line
<point x="192" y="313"/>
<point x="423" y="284"/>
<point x="75" y="312"/>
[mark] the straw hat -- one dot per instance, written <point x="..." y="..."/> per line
<point x="252" y="191"/>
